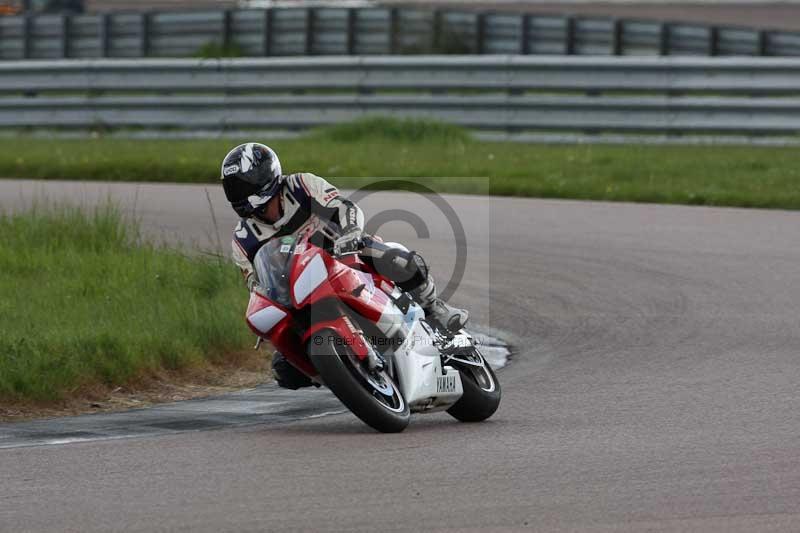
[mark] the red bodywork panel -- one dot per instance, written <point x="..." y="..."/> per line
<point x="345" y="283"/>
<point x="349" y="280"/>
<point x="346" y="332"/>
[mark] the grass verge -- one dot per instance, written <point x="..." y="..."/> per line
<point x="447" y="159"/>
<point x="87" y="304"/>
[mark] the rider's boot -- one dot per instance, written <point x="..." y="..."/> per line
<point x="437" y="311"/>
<point x="287" y="376"/>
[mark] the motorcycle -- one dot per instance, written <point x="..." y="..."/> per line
<point x="351" y="329"/>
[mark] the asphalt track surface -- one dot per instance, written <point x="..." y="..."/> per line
<point x="655" y="389"/>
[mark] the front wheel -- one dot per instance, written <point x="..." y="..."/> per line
<point x="481" y="389"/>
<point x="371" y="395"/>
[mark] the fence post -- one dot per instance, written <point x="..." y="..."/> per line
<point x="103" y="34"/>
<point x="525" y="35"/>
<point x="616" y="37"/>
<point x="762" y="45"/>
<point x="309" y="30"/>
<point x="266" y="32"/>
<point x="351" y="31"/>
<point x="569" y="35"/>
<point x="480" y="33"/>
<point x="663" y="39"/>
<point x="144" y="35"/>
<point x="64" y="37"/>
<point x="436" y="30"/>
<point x="713" y="41"/>
<point x="227" y="28"/>
<point x="394" y="30"/>
<point x="27" y="38"/>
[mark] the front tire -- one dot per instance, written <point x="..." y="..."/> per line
<point x="481" y="390"/>
<point x="372" y="396"/>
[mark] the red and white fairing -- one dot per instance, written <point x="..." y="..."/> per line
<point x="315" y="278"/>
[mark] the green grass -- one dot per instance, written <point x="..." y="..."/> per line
<point x="85" y="303"/>
<point x="448" y="160"/>
<point x="215" y="50"/>
<point x="389" y="130"/>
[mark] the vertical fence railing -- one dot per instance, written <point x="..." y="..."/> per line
<point x="144" y="34"/>
<point x="525" y="35"/>
<point x="63" y="45"/>
<point x="308" y="31"/>
<point x="436" y="30"/>
<point x="351" y="32"/>
<point x="227" y="29"/>
<point x="616" y="37"/>
<point x="569" y="36"/>
<point x="713" y="41"/>
<point x="103" y="35"/>
<point x="266" y="32"/>
<point x="663" y="39"/>
<point x="480" y="33"/>
<point x="394" y="31"/>
<point x="27" y="38"/>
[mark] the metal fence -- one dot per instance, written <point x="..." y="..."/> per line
<point x="506" y="93"/>
<point x="370" y="31"/>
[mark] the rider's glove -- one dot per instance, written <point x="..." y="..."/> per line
<point x="349" y="241"/>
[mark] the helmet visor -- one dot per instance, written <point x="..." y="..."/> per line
<point x="247" y="206"/>
<point x="237" y="190"/>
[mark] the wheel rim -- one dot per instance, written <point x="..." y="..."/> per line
<point x="378" y="383"/>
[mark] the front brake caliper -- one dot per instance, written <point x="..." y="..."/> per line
<point x="374" y="360"/>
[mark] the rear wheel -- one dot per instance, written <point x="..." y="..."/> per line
<point x="372" y="395"/>
<point x="481" y="389"/>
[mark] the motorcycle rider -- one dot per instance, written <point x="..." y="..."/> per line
<point x="271" y="205"/>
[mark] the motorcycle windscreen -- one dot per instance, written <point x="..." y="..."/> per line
<point x="272" y="265"/>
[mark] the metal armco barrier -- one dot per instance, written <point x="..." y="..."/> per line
<point x="371" y="31"/>
<point x="507" y="93"/>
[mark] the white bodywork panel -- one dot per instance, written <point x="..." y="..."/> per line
<point x="266" y="319"/>
<point x="392" y="319"/>
<point x="310" y="278"/>
<point x="424" y="383"/>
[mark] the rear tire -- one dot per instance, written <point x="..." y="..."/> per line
<point x="480" y="401"/>
<point x="336" y="365"/>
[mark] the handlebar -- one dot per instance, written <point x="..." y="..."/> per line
<point x="332" y="231"/>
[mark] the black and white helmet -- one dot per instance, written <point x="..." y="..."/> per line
<point x="251" y="175"/>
